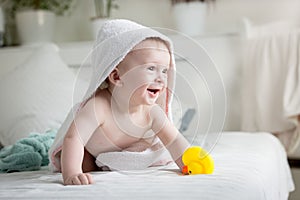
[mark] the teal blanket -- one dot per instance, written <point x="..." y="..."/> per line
<point x="28" y="153"/>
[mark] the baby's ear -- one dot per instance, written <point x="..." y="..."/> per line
<point x="114" y="77"/>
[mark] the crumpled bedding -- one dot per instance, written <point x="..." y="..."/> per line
<point x="247" y="166"/>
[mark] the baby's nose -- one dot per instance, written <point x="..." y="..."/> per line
<point x="160" y="77"/>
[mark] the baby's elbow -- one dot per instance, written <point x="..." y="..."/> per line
<point x="72" y="136"/>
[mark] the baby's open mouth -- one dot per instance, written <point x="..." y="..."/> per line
<point x="153" y="91"/>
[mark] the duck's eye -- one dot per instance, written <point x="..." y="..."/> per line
<point x="190" y="172"/>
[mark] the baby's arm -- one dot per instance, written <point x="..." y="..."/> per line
<point x="169" y="135"/>
<point x="77" y="136"/>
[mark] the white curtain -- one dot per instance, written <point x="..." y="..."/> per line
<point x="271" y="82"/>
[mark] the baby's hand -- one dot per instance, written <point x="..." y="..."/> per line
<point x="79" y="179"/>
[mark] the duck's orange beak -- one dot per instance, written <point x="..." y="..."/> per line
<point x="185" y="170"/>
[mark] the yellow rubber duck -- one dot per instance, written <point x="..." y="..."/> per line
<point x="197" y="161"/>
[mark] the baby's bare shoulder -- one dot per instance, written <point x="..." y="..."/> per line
<point x="157" y="113"/>
<point x="95" y="107"/>
<point x="158" y="116"/>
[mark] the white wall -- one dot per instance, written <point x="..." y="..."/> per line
<point x="224" y="15"/>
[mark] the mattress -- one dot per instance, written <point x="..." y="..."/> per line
<point x="247" y="166"/>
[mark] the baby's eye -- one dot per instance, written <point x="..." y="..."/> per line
<point x="151" y="68"/>
<point x="165" y="70"/>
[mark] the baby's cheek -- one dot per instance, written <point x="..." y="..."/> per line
<point x="164" y="89"/>
<point x="165" y="80"/>
<point x="136" y="83"/>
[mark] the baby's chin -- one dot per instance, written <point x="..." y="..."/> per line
<point x="151" y="97"/>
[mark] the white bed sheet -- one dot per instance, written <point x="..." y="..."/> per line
<point x="247" y="166"/>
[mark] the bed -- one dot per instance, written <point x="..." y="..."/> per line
<point x="247" y="166"/>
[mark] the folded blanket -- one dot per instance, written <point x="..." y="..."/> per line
<point x="28" y="153"/>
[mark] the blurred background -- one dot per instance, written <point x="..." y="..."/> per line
<point x="222" y="16"/>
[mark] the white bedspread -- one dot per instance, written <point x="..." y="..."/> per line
<point x="247" y="166"/>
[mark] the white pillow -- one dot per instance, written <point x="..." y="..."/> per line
<point x="36" y="95"/>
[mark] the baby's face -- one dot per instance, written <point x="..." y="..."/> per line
<point x="144" y="71"/>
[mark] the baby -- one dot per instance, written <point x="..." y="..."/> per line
<point x="127" y="104"/>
